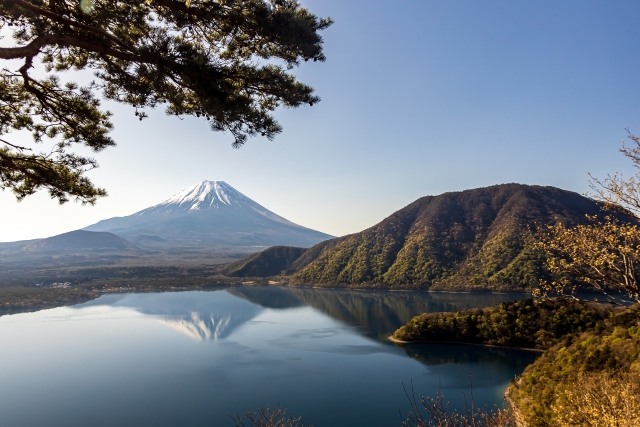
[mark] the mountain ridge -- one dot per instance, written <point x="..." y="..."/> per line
<point x="72" y="241"/>
<point x="477" y="239"/>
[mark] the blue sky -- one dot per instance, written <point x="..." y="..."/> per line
<point x="418" y="98"/>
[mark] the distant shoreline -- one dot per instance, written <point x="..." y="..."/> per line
<point x="19" y="299"/>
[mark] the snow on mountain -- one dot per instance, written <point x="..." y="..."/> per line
<point x="209" y="195"/>
<point x="199" y="328"/>
<point x="206" y="194"/>
<point x="205" y="214"/>
<point x="202" y="316"/>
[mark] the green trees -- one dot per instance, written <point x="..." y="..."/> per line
<point x="560" y="382"/>
<point x="516" y="324"/>
<point x="215" y="59"/>
<point x="590" y="366"/>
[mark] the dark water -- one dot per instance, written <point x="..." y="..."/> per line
<point x="193" y="358"/>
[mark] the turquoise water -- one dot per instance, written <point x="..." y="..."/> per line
<point x="195" y="358"/>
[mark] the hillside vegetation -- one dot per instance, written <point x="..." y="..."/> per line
<point x="525" y="324"/>
<point x="471" y="240"/>
<point x="589" y="373"/>
<point x="607" y="354"/>
<point x="271" y="262"/>
<point x="475" y="239"/>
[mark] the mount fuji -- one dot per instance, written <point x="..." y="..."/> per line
<point x="209" y="214"/>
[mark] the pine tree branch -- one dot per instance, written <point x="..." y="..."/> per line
<point x="17" y="147"/>
<point x="182" y="7"/>
<point x="33" y="48"/>
<point x="61" y="19"/>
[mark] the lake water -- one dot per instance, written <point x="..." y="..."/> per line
<point x="194" y="358"/>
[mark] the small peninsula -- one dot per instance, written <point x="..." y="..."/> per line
<point x="583" y="342"/>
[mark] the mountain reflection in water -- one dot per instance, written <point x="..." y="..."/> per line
<point x="376" y="313"/>
<point x="193" y="358"/>
<point x="198" y="315"/>
<point x="204" y="329"/>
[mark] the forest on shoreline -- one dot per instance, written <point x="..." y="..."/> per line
<point x="589" y="348"/>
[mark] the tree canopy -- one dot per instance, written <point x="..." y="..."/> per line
<point x="605" y="253"/>
<point x="227" y="61"/>
<point x="617" y="193"/>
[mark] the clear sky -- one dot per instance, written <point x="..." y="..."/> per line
<point x="419" y="97"/>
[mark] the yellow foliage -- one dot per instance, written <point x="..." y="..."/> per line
<point x="604" y="254"/>
<point x="599" y="400"/>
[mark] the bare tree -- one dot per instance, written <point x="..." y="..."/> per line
<point x="267" y="417"/>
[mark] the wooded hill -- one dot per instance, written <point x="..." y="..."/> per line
<point x="525" y="324"/>
<point x="270" y="262"/>
<point x="477" y="239"/>
<point x="611" y="348"/>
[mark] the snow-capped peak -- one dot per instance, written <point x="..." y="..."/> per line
<point x="210" y="195"/>
<point x="205" y="194"/>
<point x="212" y="212"/>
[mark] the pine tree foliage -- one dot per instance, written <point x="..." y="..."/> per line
<point x="227" y="61"/>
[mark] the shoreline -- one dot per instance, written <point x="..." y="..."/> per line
<point x="397" y="341"/>
<point x="381" y="289"/>
<point x="18" y="299"/>
<point x="517" y="413"/>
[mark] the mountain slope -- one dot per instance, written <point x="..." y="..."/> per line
<point x="80" y="240"/>
<point x="471" y="240"/>
<point x="211" y="213"/>
<point x="270" y="262"/>
<point x="475" y="239"/>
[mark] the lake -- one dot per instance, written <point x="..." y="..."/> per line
<point x="194" y="358"/>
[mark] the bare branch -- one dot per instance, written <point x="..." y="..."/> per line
<point x="17" y="147"/>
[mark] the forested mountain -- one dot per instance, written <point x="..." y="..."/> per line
<point x="270" y="262"/>
<point x="471" y="240"/>
<point x="475" y="239"/>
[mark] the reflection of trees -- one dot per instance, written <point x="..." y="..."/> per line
<point x="382" y="312"/>
<point x="376" y="312"/>
<point x="439" y="354"/>
<point x="268" y="297"/>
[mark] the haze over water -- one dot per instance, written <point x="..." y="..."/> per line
<point x="193" y="358"/>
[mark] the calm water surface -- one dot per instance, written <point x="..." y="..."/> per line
<point x="194" y="358"/>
